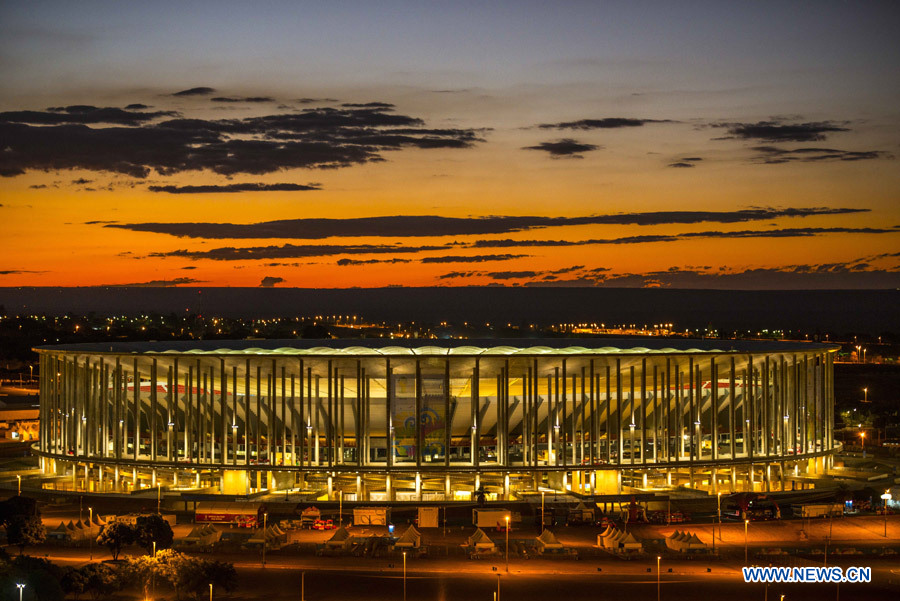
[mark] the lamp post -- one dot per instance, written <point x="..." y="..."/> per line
<point x="885" y="497"/>
<point x="862" y="436"/>
<point x="858" y="348"/>
<point x="507" y="542"/>
<point x="265" y="540"/>
<point x="91" y="531"/>
<point x="21" y="588"/>
<point x="719" y="513"/>
<point x="158" y="497"/>
<point x="19" y="478"/>
<point x="302" y="586"/>
<point x="866" y="394"/>
<point x="746" y="523"/>
<point x="210" y="591"/>
<point x="404" y="576"/>
<point x="658" y="558"/>
<point x="542" y="512"/>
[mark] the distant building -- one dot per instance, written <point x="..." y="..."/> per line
<point x="440" y="422"/>
<point x="19" y="424"/>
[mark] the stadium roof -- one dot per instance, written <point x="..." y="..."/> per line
<point x="444" y="347"/>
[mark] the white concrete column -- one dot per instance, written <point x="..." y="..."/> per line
<point x="418" y="486"/>
<point x="506" y="487"/>
<point x="330" y="487"/>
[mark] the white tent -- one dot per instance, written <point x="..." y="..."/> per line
<point x="202" y="535"/>
<point x="547" y="540"/>
<point x="629" y="543"/>
<point x="684" y="541"/>
<point x="410" y="539"/>
<point x="480" y="540"/>
<point x="59" y="533"/>
<point x="339" y="540"/>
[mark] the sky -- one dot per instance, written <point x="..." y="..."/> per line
<point x="744" y="145"/>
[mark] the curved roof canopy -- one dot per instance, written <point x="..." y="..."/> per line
<point x="443" y="347"/>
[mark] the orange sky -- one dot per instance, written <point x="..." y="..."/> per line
<point x="742" y="132"/>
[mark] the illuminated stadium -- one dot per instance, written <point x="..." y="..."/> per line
<point x="377" y="420"/>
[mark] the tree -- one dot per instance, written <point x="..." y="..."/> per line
<point x="141" y="571"/>
<point x="100" y="580"/>
<point x="17" y="506"/>
<point x="73" y="582"/>
<point x="23" y="531"/>
<point x="116" y="535"/>
<point x="153" y="528"/>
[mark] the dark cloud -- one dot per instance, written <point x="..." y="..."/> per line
<point x="346" y="262"/>
<point x="776" y="233"/>
<point x="186" y="267"/>
<point x="36" y="187"/>
<point x="231" y="188"/>
<point x="81" y="181"/>
<point x="312" y="138"/>
<point x="850" y="274"/>
<point x="510" y="275"/>
<point x="84" y="115"/>
<point x="779" y="131"/>
<point x="270" y="281"/>
<point x="567" y="269"/>
<point x="458" y="274"/>
<point x="292" y="251"/>
<point x="605" y="123"/>
<point x="315" y="100"/>
<point x="567" y="147"/>
<point x="17" y="271"/>
<point x="99" y="222"/>
<point x="137" y="106"/>
<point x="156" y="283"/>
<point x="471" y="258"/>
<point x="772" y="155"/>
<point x="433" y="225"/>
<point x="252" y="99"/>
<point x="369" y="105"/>
<point x="685" y="162"/>
<point x="199" y="91"/>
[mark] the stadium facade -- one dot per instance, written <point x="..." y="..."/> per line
<point x="380" y="420"/>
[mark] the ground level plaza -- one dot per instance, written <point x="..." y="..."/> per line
<point x="399" y="421"/>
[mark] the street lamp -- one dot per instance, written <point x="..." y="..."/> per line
<point x="858" y="348"/>
<point x="658" y="557"/>
<point x="885" y="497"/>
<point x="719" y="513"/>
<point x="210" y="591"/>
<point x="265" y="539"/>
<point x="746" y="523"/>
<point x="91" y="531"/>
<point x="19" y="477"/>
<point x="542" y="512"/>
<point x="21" y="588"/>
<point x="862" y="436"/>
<point x="404" y="576"/>
<point x="866" y="395"/>
<point x="507" y="543"/>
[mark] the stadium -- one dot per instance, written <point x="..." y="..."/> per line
<point x="388" y="420"/>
